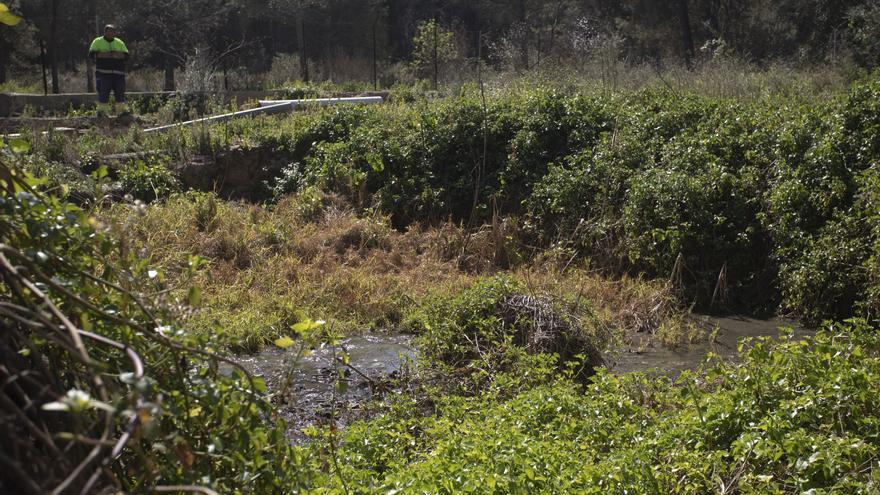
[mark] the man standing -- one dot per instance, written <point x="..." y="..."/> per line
<point x="109" y="54"/>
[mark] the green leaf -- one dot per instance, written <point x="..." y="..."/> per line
<point x="100" y="173"/>
<point x="284" y="342"/>
<point x="194" y="298"/>
<point x="375" y="162"/>
<point x="18" y="146"/>
<point x="7" y="17"/>
<point x="85" y="322"/>
<point x="35" y="181"/>
<point x="306" y="326"/>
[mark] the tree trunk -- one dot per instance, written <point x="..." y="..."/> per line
<point x="5" y="50"/>
<point x="557" y="17"/>
<point x="43" y="66"/>
<point x="301" y="42"/>
<point x="90" y="76"/>
<point x="687" y="36"/>
<point x="714" y="24"/>
<point x="434" y="55"/>
<point x="53" y="45"/>
<point x="524" y="41"/>
<point x="396" y="32"/>
<point x="169" y="78"/>
<point x="374" y="64"/>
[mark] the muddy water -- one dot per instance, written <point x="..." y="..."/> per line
<point x="315" y="398"/>
<point x="379" y="365"/>
<point x="641" y="354"/>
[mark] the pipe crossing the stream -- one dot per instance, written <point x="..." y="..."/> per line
<point x="268" y="107"/>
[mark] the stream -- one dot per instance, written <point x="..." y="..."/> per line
<point x="642" y="354"/>
<point x="376" y="368"/>
<point x="380" y="363"/>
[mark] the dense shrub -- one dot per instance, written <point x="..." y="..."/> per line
<point x="109" y="388"/>
<point x="579" y="202"/>
<point x="795" y="417"/>
<point x="552" y="126"/>
<point x="148" y="179"/>
<point x="741" y="190"/>
<point x="496" y="326"/>
<point x="452" y="327"/>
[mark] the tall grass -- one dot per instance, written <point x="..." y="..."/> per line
<point x="268" y="268"/>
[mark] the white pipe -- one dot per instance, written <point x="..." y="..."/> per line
<point x="274" y="106"/>
<point x="281" y="107"/>
<point x="323" y="102"/>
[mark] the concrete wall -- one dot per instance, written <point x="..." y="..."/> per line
<point x="14" y="103"/>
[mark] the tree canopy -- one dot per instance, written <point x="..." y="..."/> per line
<point x="347" y="39"/>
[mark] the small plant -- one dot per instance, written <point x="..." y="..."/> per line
<point x="206" y="211"/>
<point x="148" y="179"/>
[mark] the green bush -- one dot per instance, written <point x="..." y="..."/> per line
<point x="579" y="202"/>
<point x="629" y="180"/>
<point x="496" y="334"/>
<point x="453" y="329"/>
<point x="797" y="416"/>
<point x="829" y="277"/>
<point x="551" y="126"/>
<point x="148" y="179"/>
<point x="182" y="423"/>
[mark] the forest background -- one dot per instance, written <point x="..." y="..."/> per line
<point x="247" y="44"/>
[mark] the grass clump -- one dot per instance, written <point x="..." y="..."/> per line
<point x="261" y="269"/>
<point x="148" y="179"/>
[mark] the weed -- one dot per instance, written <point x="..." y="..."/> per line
<point x="148" y="179"/>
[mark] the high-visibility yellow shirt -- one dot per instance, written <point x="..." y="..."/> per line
<point x="108" y="65"/>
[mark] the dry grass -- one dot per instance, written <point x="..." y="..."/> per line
<point x="270" y="267"/>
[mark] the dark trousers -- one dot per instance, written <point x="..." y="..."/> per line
<point x="106" y="83"/>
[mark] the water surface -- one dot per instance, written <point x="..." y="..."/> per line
<point x="643" y="354"/>
<point x="325" y="391"/>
